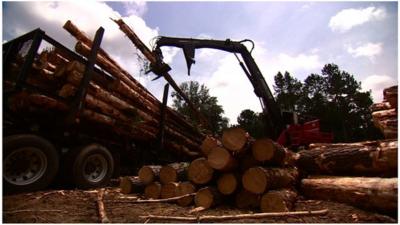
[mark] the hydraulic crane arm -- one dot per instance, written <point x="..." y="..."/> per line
<point x="274" y="122"/>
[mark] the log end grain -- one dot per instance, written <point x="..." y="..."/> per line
<point x="207" y="197"/>
<point x="200" y="172"/>
<point x="254" y="180"/>
<point x="227" y="183"/>
<point x="183" y="189"/>
<point x="168" y="174"/>
<point x="147" y="174"/>
<point x="277" y="201"/>
<point x="208" y="144"/>
<point x="169" y="190"/>
<point x="153" y="190"/>
<point x="221" y="159"/>
<point x="263" y="149"/>
<point x="234" y="139"/>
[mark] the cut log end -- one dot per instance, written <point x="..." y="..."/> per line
<point x="168" y="174"/>
<point x="254" y="180"/>
<point x="220" y="159"/>
<point x="278" y="201"/>
<point x="169" y="190"/>
<point x="234" y="139"/>
<point x="227" y="183"/>
<point x="206" y="197"/>
<point x="147" y="174"/>
<point x="153" y="190"/>
<point x="263" y="149"/>
<point x="183" y="189"/>
<point x="208" y="144"/>
<point x="200" y="172"/>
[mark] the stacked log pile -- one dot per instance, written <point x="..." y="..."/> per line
<point x="235" y="170"/>
<point x="384" y="114"/>
<point x="114" y="98"/>
<point x="362" y="174"/>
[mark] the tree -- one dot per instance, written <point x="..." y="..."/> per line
<point x="252" y="122"/>
<point x="288" y="91"/>
<point x="207" y="105"/>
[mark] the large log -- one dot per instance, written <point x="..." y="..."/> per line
<point x="246" y="200"/>
<point x="221" y="159"/>
<point x="207" y="197"/>
<point x="370" y="193"/>
<point x="173" y="172"/>
<point x="208" y="144"/>
<point x="267" y="151"/>
<point x="371" y="159"/>
<point x="228" y="183"/>
<point x="169" y="190"/>
<point x="130" y="185"/>
<point x="278" y="201"/>
<point x="185" y="188"/>
<point x="149" y="173"/>
<point x="259" y="179"/>
<point x="153" y="190"/>
<point x="234" y="139"/>
<point x="200" y="172"/>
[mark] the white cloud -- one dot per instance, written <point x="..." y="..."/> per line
<point x="21" y="17"/>
<point x="376" y="83"/>
<point x="348" y="18"/>
<point x="369" y="50"/>
<point x="299" y="62"/>
<point x="137" y="7"/>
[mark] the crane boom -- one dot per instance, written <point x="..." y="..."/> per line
<point x="273" y="118"/>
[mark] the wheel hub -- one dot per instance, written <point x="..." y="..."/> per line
<point x="95" y="168"/>
<point x="24" y="166"/>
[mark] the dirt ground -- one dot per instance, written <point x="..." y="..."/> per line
<point x="79" y="206"/>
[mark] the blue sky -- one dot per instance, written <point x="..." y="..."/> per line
<point x="299" y="37"/>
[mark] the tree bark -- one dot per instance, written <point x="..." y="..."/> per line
<point x="267" y="151"/>
<point x="207" y="197"/>
<point x="234" y="139"/>
<point x="278" y="201"/>
<point x="130" y="185"/>
<point x="221" y="159"/>
<point x="149" y="173"/>
<point x="370" y="193"/>
<point x="153" y="190"/>
<point x="377" y="158"/>
<point x="259" y="179"/>
<point x="173" y="172"/>
<point x="200" y="172"/>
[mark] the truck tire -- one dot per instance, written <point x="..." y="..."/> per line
<point x="93" y="167"/>
<point x="30" y="163"/>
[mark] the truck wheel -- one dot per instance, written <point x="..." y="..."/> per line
<point x="93" y="167"/>
<point x="30" y="163"/>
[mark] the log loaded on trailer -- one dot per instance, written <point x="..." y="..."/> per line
<point x="81" y="117"/>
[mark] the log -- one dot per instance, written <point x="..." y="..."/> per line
<point x="173" y="172"/>
<point x="130" y="185"/>
<point x="185" y="188"/>
<point x="234" y="139"/>
<point x="369" y="193"/>
<point x="149" y="173"/>
<point x="246" y="200"/>
<point x="268" y="151"/>
<point x="101" y="207"/>
<point x="221" y="159"/>
<point x="278" y="201"/>
<point x="217" y="218"/>
<point x="259" y="179"/>
<point x="200" y="172"/>
<point x="207" y="197"/>
<point x="380" y="106"/>
<point x="208" y="144"/>
<point x="377" y="158"/>
<point x="153" y="190"/>
<point x="227" y="183"/>
<point x="390" y="95"/>
<point x="169" y="190"/>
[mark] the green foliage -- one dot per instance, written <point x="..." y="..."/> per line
<point x="207" y="105"/>
<point x="335" y="97"/>
<point x="252" y="122"/>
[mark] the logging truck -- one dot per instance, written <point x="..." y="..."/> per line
<point x="80" y="117"/>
